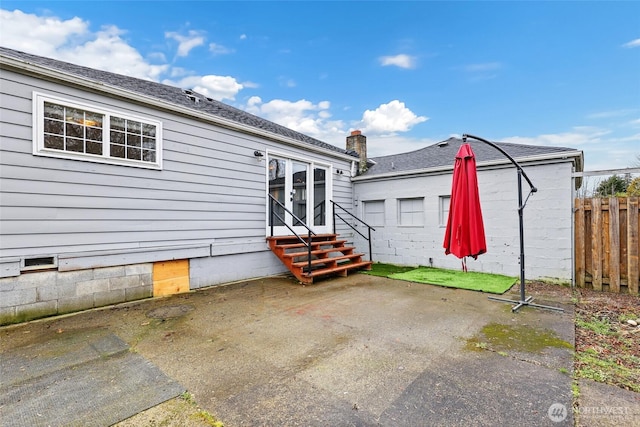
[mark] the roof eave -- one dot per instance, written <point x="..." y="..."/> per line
<point x="58" y="75"/>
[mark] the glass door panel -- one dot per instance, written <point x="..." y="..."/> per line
<point x="302" y="189"/>
<point x="299" y="192"/>
<point x="319" y="196"/>
<point x="277" y="174"/>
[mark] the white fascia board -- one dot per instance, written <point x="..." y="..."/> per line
<point x="437" y="170"/>
<point x="151" y="101"/>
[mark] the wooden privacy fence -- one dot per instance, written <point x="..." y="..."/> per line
<point x="607" y="244"/>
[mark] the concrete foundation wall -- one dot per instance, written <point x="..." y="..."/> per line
<point x="47" y="293"/>
<point x="36" y="295"/>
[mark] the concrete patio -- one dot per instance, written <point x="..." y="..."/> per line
<point x="353" y="351"/>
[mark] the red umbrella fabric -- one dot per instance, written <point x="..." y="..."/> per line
<point x="465" y="230"/>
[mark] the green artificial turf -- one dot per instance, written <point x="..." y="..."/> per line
<point x="384" y="270"/>
<point x="484" y="282"/>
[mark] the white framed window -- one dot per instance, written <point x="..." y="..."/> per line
<point x="411" y="212"/>
<point x="445" y="202"/>
<point x="67" y="129"/>
<point x="373" y="212"/>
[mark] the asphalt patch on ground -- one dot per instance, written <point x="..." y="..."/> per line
<point x="78" y="378"/>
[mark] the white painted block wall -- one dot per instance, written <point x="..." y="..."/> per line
<point x="548" y="221"/>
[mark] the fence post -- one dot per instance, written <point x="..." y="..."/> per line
<point x="633" y="244"/>
<point x="614" y="245"/>
<point x="580" y="232"/>
<point x="596" y="243"/>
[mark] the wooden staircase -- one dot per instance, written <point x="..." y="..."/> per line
<point x="329" y="256"/>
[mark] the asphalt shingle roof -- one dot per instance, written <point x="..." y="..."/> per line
<point x="436" y="155"/>
<point x="171" y="94"/>
<point x="444" y="153"/>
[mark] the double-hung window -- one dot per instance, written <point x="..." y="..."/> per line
<point x="71" y="130"/>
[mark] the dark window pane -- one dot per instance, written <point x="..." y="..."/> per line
<point x="117" y="137"/>
<point x="76" y="145"/>
<point x="94" y="134"/>
<point x="133" y="153"/>
<point x="93" y="119"/>
<point x="53" y="126"/>
<point x="74" y="115"/>
<point x="75" y="131"/>
<point x="117" y="151"/>
<point x="149" y="156"/>
<point x="94" y="147"/>
<point x="133" y="140"/>
<point x="134" y="127"/>
<point x="149" y="143"/>
<point x="56" y="142"/>
<point x="149" y="130"/>
<point x="54" y="111"/>
<point x="117" y="123"/>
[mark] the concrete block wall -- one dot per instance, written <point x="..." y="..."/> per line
<point x="40" y="294"/>
<point x="548" y="219"/>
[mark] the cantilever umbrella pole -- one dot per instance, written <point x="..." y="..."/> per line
<point x="524" y="300"/>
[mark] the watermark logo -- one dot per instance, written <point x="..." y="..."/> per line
<point x="557" y="412"/>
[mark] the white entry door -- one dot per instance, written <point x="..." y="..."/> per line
<point x="303" y="189"/>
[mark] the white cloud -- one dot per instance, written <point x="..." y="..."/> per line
<point x="186" y="43"/>
<point x="402" y="61"/>
<point x="216" y="87"/>
<point x="72" y="41"/>
<point x="632" y="43"/>
<point x="243" y="36"/>
<point x="302" y="116"/>
<point x="217" y="49"/>
<point x="610" y="114"/>
<point x="378" y="146"/>
<point x="390" y="118"/>
<point x="41" y="35"/>
<point x="579" y="136"/>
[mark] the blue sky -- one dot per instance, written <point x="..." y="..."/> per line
<point x="407" y="74"/>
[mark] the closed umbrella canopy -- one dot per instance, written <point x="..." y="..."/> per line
<point x="464" y="235"/>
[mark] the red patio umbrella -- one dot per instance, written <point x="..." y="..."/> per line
<point x="464" y="235"/>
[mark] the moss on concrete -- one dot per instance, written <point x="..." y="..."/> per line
<point x="503" y="338"/>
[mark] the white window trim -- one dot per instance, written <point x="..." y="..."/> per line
<point x="442" y="217"/>
<point x="422" y="211"/>
<point x="38" y="134"/>
<point x="384" y="213"/>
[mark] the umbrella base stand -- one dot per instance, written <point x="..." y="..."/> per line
<point x="525" y="302"/>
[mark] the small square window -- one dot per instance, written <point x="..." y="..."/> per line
<point x="411" y="212"/>
<point x="374" y="212"/>
<point x="445" y="201"/>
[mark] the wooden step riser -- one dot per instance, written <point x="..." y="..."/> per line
<point x="329" y="256"/>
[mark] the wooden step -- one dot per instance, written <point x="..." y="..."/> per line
<point x="342" y="269"/>
<point x="313" y="244"/>
<point x="294" y="255"/>
<point x="324" y="261"/>
<point x="320" y="253"/>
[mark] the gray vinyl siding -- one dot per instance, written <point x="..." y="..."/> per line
<point x="210" y="192"/>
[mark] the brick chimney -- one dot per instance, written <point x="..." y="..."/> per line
<point x="358" y="143"/>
